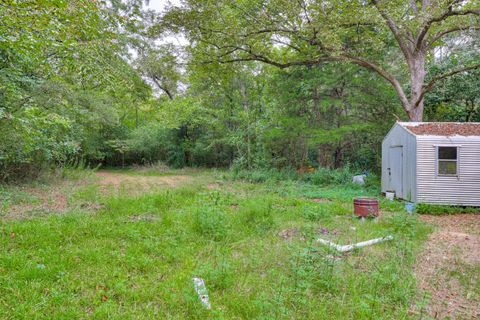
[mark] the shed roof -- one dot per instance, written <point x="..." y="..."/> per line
<point x="443" y="128"/>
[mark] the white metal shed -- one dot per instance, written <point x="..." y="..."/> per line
<point x="433" y="162"/>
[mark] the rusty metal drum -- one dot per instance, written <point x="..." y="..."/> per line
<point x="365" y="207"/>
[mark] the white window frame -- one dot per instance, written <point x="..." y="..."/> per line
<point x="437" y="174"/>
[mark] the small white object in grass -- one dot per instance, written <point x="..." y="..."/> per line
<point x="390" y="195"/>
<point x="201" y="290"/>
<point x="360" y="179"/>
<point x="350" y="247"/>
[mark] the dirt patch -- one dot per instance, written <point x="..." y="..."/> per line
<point x="41" y="200"/>
<point x="470" y="223"/>
<point x="213" y="186"/>
<point x="453" y="245"/>
<point x="136" y="182"/>
<point x="56" y="196"/>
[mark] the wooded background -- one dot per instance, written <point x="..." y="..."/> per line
<point x="253" y="84"/>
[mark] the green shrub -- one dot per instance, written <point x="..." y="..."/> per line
<point x="320" y="177"/>
<point x="313" y="272"/>
<point x="325" y="176"/>
<point x="152" y="143"/>
<point x="36" y="140"/>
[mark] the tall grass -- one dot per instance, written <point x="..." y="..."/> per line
<point x="75" y="170"/>
<point x="319" y="177"/>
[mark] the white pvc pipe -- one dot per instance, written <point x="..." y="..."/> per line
<point x="355" y="245"/>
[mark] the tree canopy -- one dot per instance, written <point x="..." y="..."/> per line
<point x="304" y="33"/>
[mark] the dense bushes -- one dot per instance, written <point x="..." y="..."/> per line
<point x="423" y="208"/>
<point x="325" y="176"/>
<point x="148" y="144"/>
<point x="33" y="139"/>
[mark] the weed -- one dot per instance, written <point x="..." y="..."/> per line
<point x="323" y="211"/>
<point x="211" y="223"/>
<point x="257" y="214"/>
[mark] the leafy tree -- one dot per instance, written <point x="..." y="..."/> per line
<point x="287" y="33"/>
<point x="321" y="114"/>
<point x="456" y="99"/>
<point x="62" y="87"/>
<point x="161" y="66"/>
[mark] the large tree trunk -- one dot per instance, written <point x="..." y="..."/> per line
<point x="416" y="64"/>
<point x="416" y="114"/>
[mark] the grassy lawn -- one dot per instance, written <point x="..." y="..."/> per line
<point x="133" y="255"/>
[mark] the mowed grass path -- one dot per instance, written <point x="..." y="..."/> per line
<point x="134" y="255"/>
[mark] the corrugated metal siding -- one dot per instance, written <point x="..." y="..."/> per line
<point x="399" y="136"/>
<point x="461" y="190"/>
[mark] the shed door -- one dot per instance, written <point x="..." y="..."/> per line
<point x="395" y="170"/>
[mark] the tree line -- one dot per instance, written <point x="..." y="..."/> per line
<point x="256" y="84"/>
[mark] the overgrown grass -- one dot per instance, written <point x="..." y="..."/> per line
<point x="319" y="177"/>
<point x="135" y="257"/>
<point x="45" y="187"/>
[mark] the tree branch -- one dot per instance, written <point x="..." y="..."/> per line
<point x="414" y="7"/>
<point x="449" y="13"/>
<point x="439" y="35"/>
<point x="431" y="83"/>
<point x="383" y="73"/>
<point x="155" y="80"/>
<point x="251" y="56"/>
<point x="394" y="28"/>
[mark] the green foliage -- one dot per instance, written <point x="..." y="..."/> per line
<point x="324" y="176"/>
<point x="324" y="211"/>
<point x="456" y="98"/>
<point x="263" y="175"/>
<point x="423" y="208"/>
<point x="364" y="33"/>
<point x="69" y="94"/>
<point x="75" y="170"/>
<point x="161" y="66"/>
<point x="63" y="91"/>
<point x="35" y="138"/>
<point x="148" y="142"/>
<point x="319" y="177"/>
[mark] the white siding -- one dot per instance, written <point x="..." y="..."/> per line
<point x="461" y="190"/>
<point x="399" y="136"/>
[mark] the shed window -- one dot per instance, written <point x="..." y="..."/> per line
<point x="448" y="161"/>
